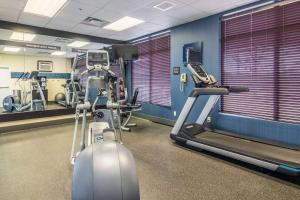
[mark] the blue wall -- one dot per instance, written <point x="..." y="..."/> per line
<point x="207" y="30"/>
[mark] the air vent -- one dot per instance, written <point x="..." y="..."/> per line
<point x="63" y="40"/>
<point x="44" y="66"/>
<point x="165" y="5"/>
<point x="94" y="22"/>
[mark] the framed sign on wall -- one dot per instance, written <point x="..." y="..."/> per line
<point x="44" y="66"/>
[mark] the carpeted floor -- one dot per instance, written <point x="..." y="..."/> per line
<point x="34" y="164"/>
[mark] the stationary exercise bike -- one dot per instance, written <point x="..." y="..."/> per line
<point x="125" y="53"/>
<point x="104" y="168"/>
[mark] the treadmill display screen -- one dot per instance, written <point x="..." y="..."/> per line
<point x="194" y="56"/>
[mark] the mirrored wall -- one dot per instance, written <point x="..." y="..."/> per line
<point x="35" y="72"/>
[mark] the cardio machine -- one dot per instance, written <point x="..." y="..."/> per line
<point x="124" y="53"/>
<point x="126" y="112"/>
<point x="37" y="101"/>
<point x="104" y="168"/>
<point x="198" y="135"/>
<point x="73" y="92"/>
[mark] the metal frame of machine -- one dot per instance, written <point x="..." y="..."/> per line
<point x="104" y="168"/>
<point x="198" y="135"/>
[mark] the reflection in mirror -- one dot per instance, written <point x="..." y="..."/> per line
<point x="36" y="70"/>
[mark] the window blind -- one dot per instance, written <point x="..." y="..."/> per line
<point x="151" y="72"/>
<point x="116" y="69"/>
<point x="261" y="50"/>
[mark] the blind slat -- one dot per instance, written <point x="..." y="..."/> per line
<point x="151" y="72"/>
<point x="262" y="51"/>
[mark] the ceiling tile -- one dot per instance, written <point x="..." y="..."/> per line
<point x="66" y="16"/>
<point x="124" y="5"/>
<point x="33" y="20"/>
<point x="146" y="14"/>
<point x="183" y="12"/>
<point x="13" y="4"/>
<point x="186" y="1"/>
<point x="84" y="29"/>
<point x="95" y="3"/>
<point x="109" y="15"/>
<point x="142" y="3"/>
<point x="177" y="4"/>
<point x="231" y="4"/>
<point x="8" y="14"/>
<point x="144" y="28"/>
<point x="198" y="16"/>
<point x="210" y="5"/>
<point x="58" y="24"/>
<point x="165" y="20"/>
<point x="75" y="11"/>
<point x="77" y="8"/>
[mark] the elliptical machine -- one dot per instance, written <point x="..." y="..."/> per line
<point x="37" y="101"/>
<point x="104" y="168"/>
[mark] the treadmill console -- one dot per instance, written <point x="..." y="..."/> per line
<point x="97" y="60"/>
<point x="200" y="77"/>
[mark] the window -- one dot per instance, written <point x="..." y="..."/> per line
<point x="261" y="50"/>
<point x="151" y="72"/>
<point x="115" y="68"/>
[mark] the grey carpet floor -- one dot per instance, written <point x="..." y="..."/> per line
<point x="34" y="164"/>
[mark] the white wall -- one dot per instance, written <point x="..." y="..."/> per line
<point x="26" y="63"/>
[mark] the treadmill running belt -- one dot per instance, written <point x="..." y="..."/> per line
<point x="251" y="148"/>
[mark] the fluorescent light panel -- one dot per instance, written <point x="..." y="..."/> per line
<point x="11" y="49"/>
<point x="46" y="8"/>
<point x="22" y="36"/>
<point x="78" y="44"/>
<point x="123" y="23"/>
<point x="58" y="53"/>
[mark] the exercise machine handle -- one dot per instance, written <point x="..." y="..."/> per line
<point x="209" y="91"/>
<point x="237" y="89"/>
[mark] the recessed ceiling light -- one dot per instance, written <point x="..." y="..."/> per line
<point x="46" y="8"/>
<point x="78" y="44"/>
<point x="164" y="6"/>
<point x="11" y="49"/>
<point x="22" y="36"/>
<point x="58" y="53"/>
<point x="123" y="23"/>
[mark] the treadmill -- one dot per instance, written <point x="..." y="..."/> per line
<point x="197" y="135"/>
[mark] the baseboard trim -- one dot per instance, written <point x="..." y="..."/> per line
<point x="155" y="119"/>
<point x="20" y="125"/>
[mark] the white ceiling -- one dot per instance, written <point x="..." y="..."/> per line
<point x="45" y="40"/>
<point x="74" y="11"/>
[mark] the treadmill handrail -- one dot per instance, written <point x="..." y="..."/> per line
<point x="209" y="91"/>
<point x="237" y="89"/>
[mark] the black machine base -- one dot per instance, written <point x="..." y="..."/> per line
<point x="287" y="160"/>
